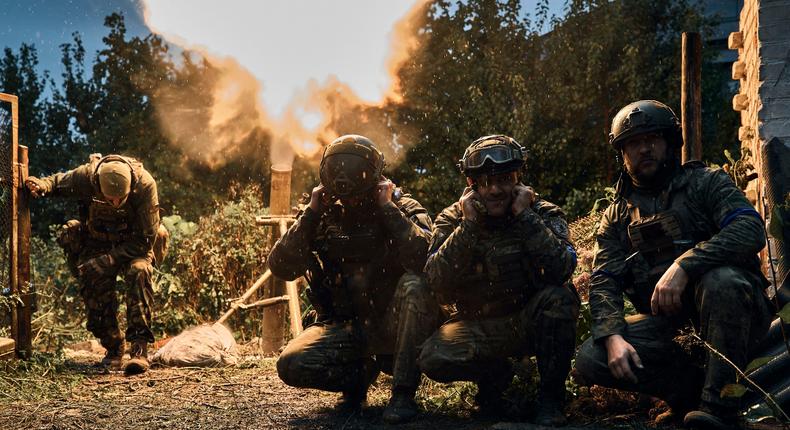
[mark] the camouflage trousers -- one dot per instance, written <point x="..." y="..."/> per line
<point x="99" y="292"/>
<point x="345" y="356"/>
<point x="730" y="312"/>
<point x="477" y="350"/>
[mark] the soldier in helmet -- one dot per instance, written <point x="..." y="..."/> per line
<point x="681" y="242"/>
<point x="118" y="233"/>
<point x="362" y="245"/>
<point x="501" y="257"/>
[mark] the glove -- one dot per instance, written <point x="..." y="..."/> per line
<point x="36" y="186"/>
<point x="96" y="267"/>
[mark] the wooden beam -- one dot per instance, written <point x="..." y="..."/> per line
<point x="247" y="294"/>
<point x="24" y="339"/>
<point x="690" y="96"/>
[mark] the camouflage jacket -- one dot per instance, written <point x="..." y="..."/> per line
<point x="717" y="224"/>
<point x="487" y="269"/>
<point x="139" y="215"/>
<point x="360" y="256"/>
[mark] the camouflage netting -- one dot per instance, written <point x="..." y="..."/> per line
<point x="583" y="235"/>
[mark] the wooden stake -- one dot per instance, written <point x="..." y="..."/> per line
<point x="691" y="96"/>
<point x="24" y="309"/>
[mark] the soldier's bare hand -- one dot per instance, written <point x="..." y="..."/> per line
<point x="620" y="355"/>
<point x="384" y="190"/>
<point x="34" y="185"/>
<point x="523" y="198"/>
<point x="669" y="291"/>
<point x="320" y="199"/>
<point x="470" y="201"/>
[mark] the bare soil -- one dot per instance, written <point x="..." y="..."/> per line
<point x="70" y="393"/>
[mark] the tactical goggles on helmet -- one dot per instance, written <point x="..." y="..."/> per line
<point x="497" y="154"/>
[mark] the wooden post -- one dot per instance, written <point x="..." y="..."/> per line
<point x="294" y="310"/>
<point x="24" y="340"/>
<point x="273" y="324"/>
<point x="690" y="96"/>
<point x="13" y="251"/>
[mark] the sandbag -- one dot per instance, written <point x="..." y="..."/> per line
<point x="208" y="345"/>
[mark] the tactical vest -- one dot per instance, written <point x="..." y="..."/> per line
<point x="500" y="281"/>
<point x="657" y="240"/>
<point x="102" y="221"/>
<point x="108" y="224"/>
<point x="354" y="254"/>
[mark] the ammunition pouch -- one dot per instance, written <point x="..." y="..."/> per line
<point x="354" y="249"/>
<point x="659" y="239"/>
<point x="106" y="223"/>
<point x="500" y="284"/>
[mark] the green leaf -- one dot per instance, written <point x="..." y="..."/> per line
<point x="757" y="362"/>
<point x="733" y="390"/>
<point x="784" y="314"/>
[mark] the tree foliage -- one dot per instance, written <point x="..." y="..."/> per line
<point x="483" y="67"/>
<point x="479" y="67"/>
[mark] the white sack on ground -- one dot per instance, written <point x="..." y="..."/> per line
<point x="208" y="345"/>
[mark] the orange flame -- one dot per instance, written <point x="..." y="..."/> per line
<point x="238" y="117"/>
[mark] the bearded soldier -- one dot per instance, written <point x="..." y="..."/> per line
<point x="502" y="258"/>
<point x="681" y="242"/>
<point x="362" y="246"/>
<point x="116" y="234"/>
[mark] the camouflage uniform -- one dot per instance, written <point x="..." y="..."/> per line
<point x="508" y="282"/>
<point x="128" y="234"/>
<point x="374" y="306"/>
<point x="701" y="221"/>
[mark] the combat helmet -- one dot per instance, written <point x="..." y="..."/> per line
<point x="493" y="154"/>
<point x="645" y="116"/>
<point x="351" y="165"/>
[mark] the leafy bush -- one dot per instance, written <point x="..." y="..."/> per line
<point x="210" y="263"/>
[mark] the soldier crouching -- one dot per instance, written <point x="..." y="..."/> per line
<point x="502" y="257"/>
<point x="362" y="246"/>
<point x="681" y="242"/>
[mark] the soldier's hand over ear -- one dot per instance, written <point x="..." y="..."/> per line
<point x="35" y="185"/>
<point x="620" y="355"/>
<point x="523" y="198"/>
<point x="384" y="190"/>
<point x="320" y="199"/>
<point x="470" y="201"/>
<point x="669" y="290"/>
<point x="97" y="266"/>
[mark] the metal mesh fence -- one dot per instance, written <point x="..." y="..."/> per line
<point x="6" y="148"/>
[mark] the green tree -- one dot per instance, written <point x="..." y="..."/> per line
<point x="482" y="67"/>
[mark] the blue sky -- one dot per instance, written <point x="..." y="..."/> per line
<point x="49" y="23"/>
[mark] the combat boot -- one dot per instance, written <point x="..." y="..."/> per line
<point x="138" y="362"/>
<point x="351" y="401"/>
<point x="550" y="412"/>
<point x="113" y="358"/>
<point x="401" y="407"/>
<point x="710" y="417"/>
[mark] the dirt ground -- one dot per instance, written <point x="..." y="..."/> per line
<point x="70" y="393"/>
